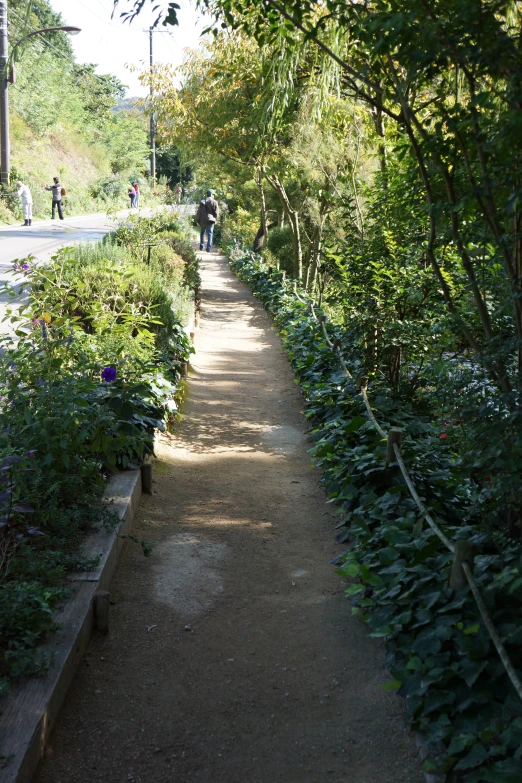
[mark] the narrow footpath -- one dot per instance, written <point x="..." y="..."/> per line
<point x="232" y="654"/>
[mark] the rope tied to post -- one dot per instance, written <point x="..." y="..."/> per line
<point x="462" y="551"/>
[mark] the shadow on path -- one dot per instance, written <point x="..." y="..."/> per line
<point x="232" y="655"/>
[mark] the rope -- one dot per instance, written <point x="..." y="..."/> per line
<point x="422" y="508"/>
<point x="370" y="413"/>
<point x="495" y="638"/>
<point x="343" y="364"/>
<point x="488" y="622"/>
<point x="328" y="341"/>
<point x="294" y="289"/>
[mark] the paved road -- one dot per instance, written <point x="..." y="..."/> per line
<point x="44" y="237"/>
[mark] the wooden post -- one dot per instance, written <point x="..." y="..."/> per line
<point x="394" y="436"/>
<point x="146" y="478"/>
<point x="337" y="344"/>
<point x="283" y="275"/>
<point x="362" y="382"/>
<point x="192" y="335"/>
<point x="184" y="369"/>
<point x="464" y="552"/>
<point x="101" y="611"/>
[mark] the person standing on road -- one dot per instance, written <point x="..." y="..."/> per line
<point x="23" y="192"/>
<point x="132" y="195"/>
<point x="206" y="217"/>
<point x="56" y="189"/>
<point x="137" y="196"/>
<point x="178" y="194"/>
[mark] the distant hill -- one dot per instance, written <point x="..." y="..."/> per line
<point x="126" y="104"/>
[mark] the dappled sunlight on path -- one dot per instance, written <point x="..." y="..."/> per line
<point x="233" y="656"/>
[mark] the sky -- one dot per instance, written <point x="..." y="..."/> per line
<point x="111" y="44"/>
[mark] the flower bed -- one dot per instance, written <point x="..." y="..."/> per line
<point x="92" y="371"/>
<point x="439" y="653"/>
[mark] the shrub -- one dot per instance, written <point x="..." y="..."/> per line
<point x="241" y="226"/>
<point x="280" y="244"/>
<point x="93" y="373"/>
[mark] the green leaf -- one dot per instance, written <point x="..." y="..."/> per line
<point x="391" y="685"/>
<point x="354" y="589"/>
<point x="476" y="756"/>
<point x="349" y="569"/>
<point x="354" y="424"/>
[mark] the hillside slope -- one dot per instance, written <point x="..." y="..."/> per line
<point x="65" y="122"/>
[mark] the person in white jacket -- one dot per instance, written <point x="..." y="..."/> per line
<point x="24" y="193"/>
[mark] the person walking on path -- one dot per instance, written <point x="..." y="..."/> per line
<point x="206" y="217"/>
<point x="178" y="194"/>
<point x="56" y="189"/>
<point x="137" y="194"/>
<point x="132" y="195"/>
<point x="25" y="194"/>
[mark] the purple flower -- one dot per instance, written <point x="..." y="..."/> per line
<point x="26" y="269"/>
<point x="32" y="453"/>
<point x="109" y="374"/>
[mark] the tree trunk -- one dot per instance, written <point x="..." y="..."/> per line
<point x="292" y="215"/>
<point x="261" y="235"/>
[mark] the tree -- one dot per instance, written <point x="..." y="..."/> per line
<point x="100" y="94"/>
<point x="444" y="74"/>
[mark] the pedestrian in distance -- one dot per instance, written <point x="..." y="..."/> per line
<point x="23" y="192"/>
<point x="178" y="194"/>
<point x="137" y="194"/>
<point x="206" y="217"/>
<point x="132" y="195"/>
<point x="58" y="192"/>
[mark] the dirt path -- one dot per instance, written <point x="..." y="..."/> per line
<point x="232" y="654"/>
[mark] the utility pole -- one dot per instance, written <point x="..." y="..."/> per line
<point x="4" y="98"/>
<point x="152" y="129"/>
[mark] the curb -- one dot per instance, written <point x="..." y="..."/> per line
<point x="29" y="711"/>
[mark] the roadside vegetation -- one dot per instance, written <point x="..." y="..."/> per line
<point x="92" y="370"/>
<point x="370" y="152"/>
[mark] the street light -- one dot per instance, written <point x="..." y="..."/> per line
<point x="66" y="29"/>
<point x="5" y="78"/>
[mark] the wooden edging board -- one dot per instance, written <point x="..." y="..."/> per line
<point x="28" y="713"/>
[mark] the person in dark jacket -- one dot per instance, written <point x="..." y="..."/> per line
<point x="56" y="189"/>
<point x="206" y="218"/>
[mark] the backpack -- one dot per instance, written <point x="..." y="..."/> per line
<point x="210" y="217"/>
<point x="63" y="192"/>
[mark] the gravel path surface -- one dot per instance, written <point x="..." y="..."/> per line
<point x="232" y="654"/>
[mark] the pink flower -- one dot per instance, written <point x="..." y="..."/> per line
<point x="444" y="435"/>
<point x="32" y="453"/>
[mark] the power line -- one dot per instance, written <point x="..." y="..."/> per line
<point x="123" y="27"/>
<point x="105" y="21"/>
<point x="70" y="59"/>
<point x="40" y="37"/>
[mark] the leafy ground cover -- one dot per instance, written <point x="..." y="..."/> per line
<point x="439" y="654"/>
<point x="92" y="371"/>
